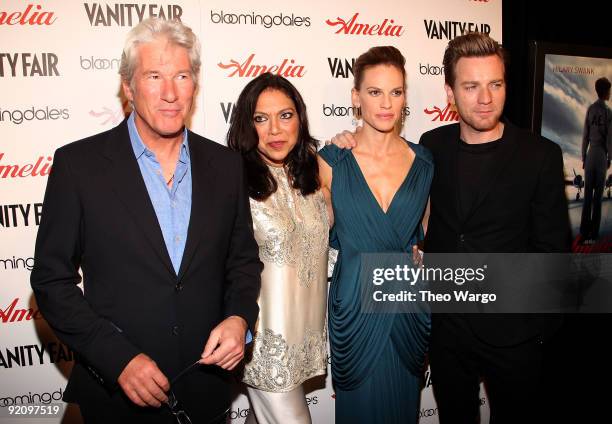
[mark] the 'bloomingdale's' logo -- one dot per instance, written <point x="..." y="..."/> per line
<point x="267" y="21"/>
<point x="287" y="68"/>
<point x="27" y="17"/>
<point x="32" y="398"/>
<point x="386" y="28"/>
<point x="128" y="14"/>
<point x="444" y="115"/>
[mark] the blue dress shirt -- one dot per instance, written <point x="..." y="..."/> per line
<point x="172" y="204"/>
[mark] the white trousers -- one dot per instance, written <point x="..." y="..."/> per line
<point x="278" y="408"/>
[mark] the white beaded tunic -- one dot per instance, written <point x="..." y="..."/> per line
<point x="290" y="343"/>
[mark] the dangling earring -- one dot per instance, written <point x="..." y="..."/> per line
<point x="356" y="120"/>
<point x="403" y="116"/>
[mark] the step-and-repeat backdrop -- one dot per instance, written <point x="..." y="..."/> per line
<point x="59" y="83"/>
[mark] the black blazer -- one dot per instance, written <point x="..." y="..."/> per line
<point x="97" y="215"/>
<point x="522" y="209"/>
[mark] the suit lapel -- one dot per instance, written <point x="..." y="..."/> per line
<point x="507" y="149"/>
<point x="128" y="184"/>
<point x="201" y="181"/>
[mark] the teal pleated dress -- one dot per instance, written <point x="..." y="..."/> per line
<point x="377" y="359"/>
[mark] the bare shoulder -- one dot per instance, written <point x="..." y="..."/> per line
<point x="325" y="172"/>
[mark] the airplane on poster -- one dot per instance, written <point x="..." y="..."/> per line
<point x="577" y="182"/>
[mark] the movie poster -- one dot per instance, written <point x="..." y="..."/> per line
<point x="568" y="92"/>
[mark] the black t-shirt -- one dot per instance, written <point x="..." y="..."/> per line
<point x="476" y="166"/>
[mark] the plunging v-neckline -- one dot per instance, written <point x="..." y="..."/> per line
<point x="365" y="181"/>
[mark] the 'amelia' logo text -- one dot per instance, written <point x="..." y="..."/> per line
<point x="40" y="167"/>
<point x="14" y="312"/>
<point x="444" y="115"/>
<point x="129" y="14"/>
<point x="28" y="64"/>
<point x="451" y="29"/>
<point x="341" y="68"/>
<point x="18" y="116"/>
<point x="32" y="15"/>
<point x="427" y="69"/>
<point x="19" y="215"/>
<point x="386" y="28"/>
<point x="247" y="68"/>
<point x="267" y="21"/>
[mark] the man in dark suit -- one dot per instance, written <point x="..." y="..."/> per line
<point x="496" y="189"/>
<point x="158" y="220"/>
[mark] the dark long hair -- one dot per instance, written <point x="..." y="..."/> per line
<point x="301" y="162"/>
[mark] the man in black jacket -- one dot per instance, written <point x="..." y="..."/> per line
<point x="496" y="189"/>
<point x="158" y="220"/>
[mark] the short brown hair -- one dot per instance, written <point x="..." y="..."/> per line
<point x="381" y="55"/>
<point x="472" y="44"/>
<point x="602" y="87"/>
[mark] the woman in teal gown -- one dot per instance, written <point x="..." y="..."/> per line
<point x="378" y="195"/>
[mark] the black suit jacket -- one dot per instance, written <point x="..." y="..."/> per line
<point x="522" y="209"/>
<point x="98" y="216"/>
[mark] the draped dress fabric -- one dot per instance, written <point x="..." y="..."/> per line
<point x="290" y="343"/>
<point x="377" y="359"/>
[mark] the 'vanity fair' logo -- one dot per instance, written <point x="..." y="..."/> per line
<point x="41" y="167"/>
<point x="19" y="116"/>
<point x="32" y="15"/>
<point x="115" y="115"/>
<point x="341" y="68"/>
<point x="386" y="28"/>
<point x="228" y="109"/>
<point x="247" y="68"/>
<point x="16" y="312"/>
<point x="20" y="215"/>
<point x="91" y="63"/>
<point x="444" y="115"/>
<point x="28" y="64"/>
<point x="129" y="14"/>
<point x="267" y="21"/>
<point x="427" y="69"/>
<point x="38" y="354"/>
<point x="451" y="29"/>
<point x="16" y="263"/>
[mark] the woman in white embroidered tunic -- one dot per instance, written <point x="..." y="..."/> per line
<point x="291" y="225"/>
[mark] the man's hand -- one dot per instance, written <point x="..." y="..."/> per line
<point x="417" y="258"/>
<point x="225" y="345"/>
<point x="143" y="382"/>
<point x="345" y="139"/>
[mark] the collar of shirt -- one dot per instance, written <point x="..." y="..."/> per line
<point x="139" y="147"/>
